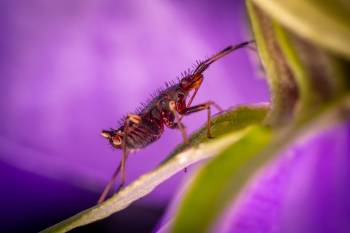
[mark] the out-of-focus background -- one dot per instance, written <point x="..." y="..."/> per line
<point x="71" y="68"/>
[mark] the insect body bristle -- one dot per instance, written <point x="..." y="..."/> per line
<point x="155" y="94"/>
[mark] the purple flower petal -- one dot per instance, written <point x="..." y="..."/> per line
<point x="304" y="191"/>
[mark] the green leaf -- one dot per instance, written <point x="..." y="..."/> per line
<point x="281" y="81"/>
<point x="222" y="178"/>
<point x="325" y="23"/>
<point x="227" y="128"/>
<point x="301" y="75"/>
<point x="320" y="76"/>
<point x="305" y="87"/>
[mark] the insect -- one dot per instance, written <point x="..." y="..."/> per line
<point x="165" y="109"/>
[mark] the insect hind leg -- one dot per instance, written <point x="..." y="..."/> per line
<point x="131" y="118"/>
<point x="109" y="185"/>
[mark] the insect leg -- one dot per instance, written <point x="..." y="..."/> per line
<point x="136" y="120"/>
<point x="172" y="107"/>
<point x="109" y="185"/>
<point x="131" y="118"/>
<point x="191" y="99"/>
<point x="200" y="107"/>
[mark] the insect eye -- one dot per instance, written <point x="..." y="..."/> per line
<point x="117" y="141"/>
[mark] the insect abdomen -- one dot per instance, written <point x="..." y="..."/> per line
<point x="145" y="133"/>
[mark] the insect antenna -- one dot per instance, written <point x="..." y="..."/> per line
<point x="202" y="66"/>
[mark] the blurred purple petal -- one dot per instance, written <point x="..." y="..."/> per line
<point x="306" y="190"/>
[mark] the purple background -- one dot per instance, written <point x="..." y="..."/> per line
<point x="306" y="190"/>
<point x="70" y="68"/>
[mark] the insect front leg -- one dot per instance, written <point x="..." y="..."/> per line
<point x="131" y="118"/>
<point x="172" y="107"/>
<point x="201" y="107"/>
